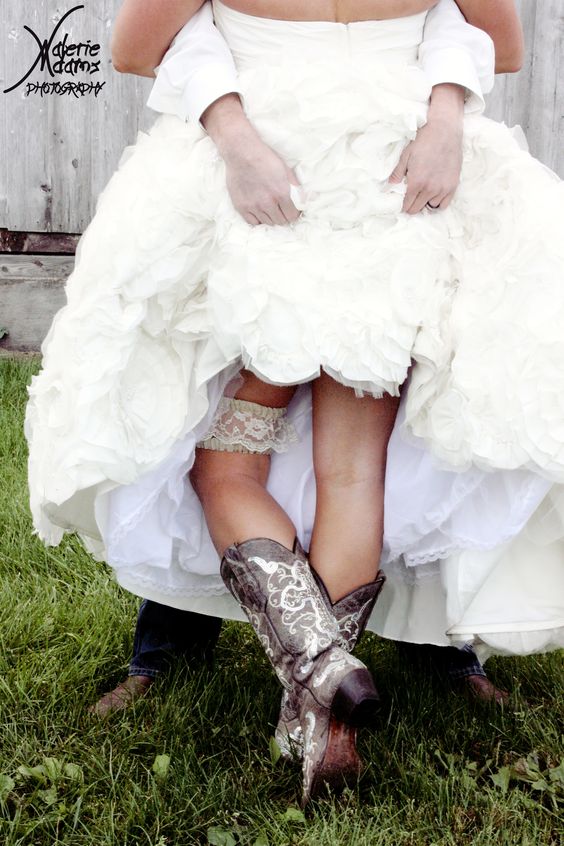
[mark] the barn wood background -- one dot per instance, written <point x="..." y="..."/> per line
<point x="58" y="152"/>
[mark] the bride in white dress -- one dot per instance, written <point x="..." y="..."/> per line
<point x="173" y="294"/>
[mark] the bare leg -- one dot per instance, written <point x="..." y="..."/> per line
<point x="232" y="486"/>
<point x="332" y="692"/>
<point x="350" y="437"/>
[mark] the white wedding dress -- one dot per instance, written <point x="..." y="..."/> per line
<point x="173" y="293"/>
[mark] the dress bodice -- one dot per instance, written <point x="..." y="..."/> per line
<point x="251" y="37"/>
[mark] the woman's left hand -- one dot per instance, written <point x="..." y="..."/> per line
<point x="432" y="162"/>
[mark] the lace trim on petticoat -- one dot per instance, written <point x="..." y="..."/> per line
<point x="145" y="585"/>
<point x="242" y="426"/>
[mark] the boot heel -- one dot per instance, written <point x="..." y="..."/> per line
<point x="356" y="700"/>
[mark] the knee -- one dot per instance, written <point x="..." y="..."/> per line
<point x="216" y="473"/>
<point x="361" y="462"/>
<point x="340" y="474"/>
<point x="355" y="463"/>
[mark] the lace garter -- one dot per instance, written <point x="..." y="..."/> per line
<point x="242" y="426"/>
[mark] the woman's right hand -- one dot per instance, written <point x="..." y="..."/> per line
<point x="258" y="180"/>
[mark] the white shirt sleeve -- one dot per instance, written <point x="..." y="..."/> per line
<point x="198" y="67"/>
<point x="454" y="51"/>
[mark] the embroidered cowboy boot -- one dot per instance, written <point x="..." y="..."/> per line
<point x="334" y="691"/>
<point x="351" y="613"/>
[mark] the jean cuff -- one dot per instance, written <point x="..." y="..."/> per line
<point x="471" y="670"/>
<point x="143" y="671"/>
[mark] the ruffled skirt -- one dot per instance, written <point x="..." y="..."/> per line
<point x="173" y="293"/>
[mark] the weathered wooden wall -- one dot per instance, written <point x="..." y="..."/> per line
<point x="58" y="152"/>
<point x="534" y="97"/>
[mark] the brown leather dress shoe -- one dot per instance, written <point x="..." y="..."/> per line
<point x="482" y="689"/>
<point x="122" y="696"/>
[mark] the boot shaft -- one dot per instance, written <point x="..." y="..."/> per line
<point x="352" y="611"/>
<point x="277" y="590"/>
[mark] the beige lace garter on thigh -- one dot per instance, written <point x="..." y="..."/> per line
<point x="242" y="426"/>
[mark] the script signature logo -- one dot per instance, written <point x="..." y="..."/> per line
<point x="59" y="58"/>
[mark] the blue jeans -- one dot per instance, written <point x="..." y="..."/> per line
<point x="163" y="634"/>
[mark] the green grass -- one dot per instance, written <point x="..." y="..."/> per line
<point x="65" y="636"/>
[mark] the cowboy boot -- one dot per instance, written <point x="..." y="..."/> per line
<point x="334" y="692"/>
<point x="351" y="613"/>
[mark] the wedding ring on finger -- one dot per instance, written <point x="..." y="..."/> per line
<point x="432" y="207"/>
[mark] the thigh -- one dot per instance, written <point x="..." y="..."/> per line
<point x="217" y="464"/>
<point x="254" y="389"/>
<point x="348" y="428"/>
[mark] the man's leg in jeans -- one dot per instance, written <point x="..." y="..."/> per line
<point x="461" y="666"/>
<point x="162" y="634"/>
<point x="466" y="671"/>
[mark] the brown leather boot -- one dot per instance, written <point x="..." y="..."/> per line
<point x="480" y="688"/>
<point x="122" y="696"/>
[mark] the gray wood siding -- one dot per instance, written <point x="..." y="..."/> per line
<point x="534" y="97"/>
<point x="58" y="152"/>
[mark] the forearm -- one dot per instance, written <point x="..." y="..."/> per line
<point x="447" y="105"/>
<point x="499" y="18"/>
<point x="143" y="30"/>
<point x="228" y="126"/>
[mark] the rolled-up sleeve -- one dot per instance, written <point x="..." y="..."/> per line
<point x="455" y="51"/>
<point x="197" y="69"/>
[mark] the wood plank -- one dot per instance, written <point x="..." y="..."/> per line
<point x="37" y="242"/>
<point x="31" y="292"/>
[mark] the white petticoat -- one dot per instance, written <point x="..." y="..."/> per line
<point x="173" y="293"/>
